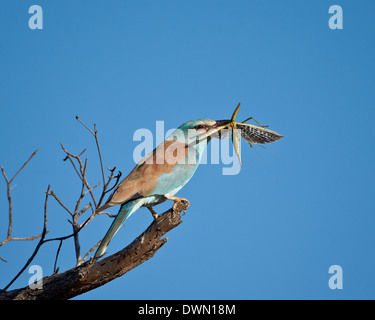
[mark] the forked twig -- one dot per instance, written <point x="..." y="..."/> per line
<point x="8" y="181"/>
<point x="95" y="134"/>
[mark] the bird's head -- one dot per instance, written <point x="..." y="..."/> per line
<point x="199" y="129"/>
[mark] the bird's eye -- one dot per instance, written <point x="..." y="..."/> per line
<point x="199" y="126"/>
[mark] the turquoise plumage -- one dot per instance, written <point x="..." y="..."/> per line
<point x="159" y="175"/>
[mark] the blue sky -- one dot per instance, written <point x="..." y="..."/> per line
<point x="270" y="232"/>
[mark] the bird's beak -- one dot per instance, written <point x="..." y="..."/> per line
<point x="220" y="123"/>
<point x="216" y="128"/>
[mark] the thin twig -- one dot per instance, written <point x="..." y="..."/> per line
<point x="24" y="165"/>
<point x="107" y="213"/>
<point x="21" y="239"/>
<point x="82" y="189"/>
<point x="91" y="250"/>
<point x="89" y="190"/>
<point x="57" y="255"/>
<point x="60" y="202"/>
<point x="100" y="156"/>
<point x="85" y="125"/>
<point x="84" y="209"/>
<point x="95" y="134"/>
<point x="10" y="213"/>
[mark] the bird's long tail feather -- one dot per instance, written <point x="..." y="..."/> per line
<point x="124" y="213"/>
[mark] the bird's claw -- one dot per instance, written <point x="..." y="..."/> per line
<point x="184" y="202"/>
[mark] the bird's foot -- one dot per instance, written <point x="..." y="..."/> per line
<point x="177" y="201"/>
<point x="154" y="214"/>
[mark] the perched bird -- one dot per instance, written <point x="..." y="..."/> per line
<point x="163" y="172"/>
<point x="160" y="174"/>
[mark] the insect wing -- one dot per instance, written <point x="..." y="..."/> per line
<point x="257" y="135"/>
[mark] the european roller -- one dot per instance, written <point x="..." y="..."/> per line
<point x="163" y="172"/>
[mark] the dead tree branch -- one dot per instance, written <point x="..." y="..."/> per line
<point x="93" y="274"/>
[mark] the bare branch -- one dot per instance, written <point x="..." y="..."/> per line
<point x="80" y="172"/>
<point x="95" y="134"/>
<point x="84" y="209"/>
<point x="69" y="156"/>
<point x="10" y="214"/>
<point x="21" y="239"/>
<point x="60" y="202"/>
<point x="10" y="211"/>
<point x="85" y="126"/>
<point x="82" y="188"/>
<point x="91" y="250"/>
<point x="24" y="165"/>
<point x="89" y="190"/>
<point x="91" y="275"/>
<point x="57" y="255"/>
<point x="107" y="213"/>
<point x="41" y="241"/>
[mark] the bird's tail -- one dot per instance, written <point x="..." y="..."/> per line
<point x="124" y="213"/>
